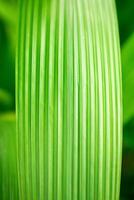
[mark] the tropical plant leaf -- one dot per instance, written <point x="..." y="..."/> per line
<point x="8" y="158"/>
<point x="128" y="78"/>
<point x="69" y="100"/>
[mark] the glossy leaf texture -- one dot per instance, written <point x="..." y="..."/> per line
<point x="69" y="100"/>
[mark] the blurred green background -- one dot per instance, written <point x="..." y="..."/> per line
<point x="8" y="35"/>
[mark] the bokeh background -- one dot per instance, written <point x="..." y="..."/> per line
<point x="8" y="38"/>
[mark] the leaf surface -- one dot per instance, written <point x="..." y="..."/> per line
<point x="69" y="100"/>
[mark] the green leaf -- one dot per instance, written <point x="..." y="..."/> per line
<point x="128" y="78"/>
<point x="8" y="158"/>
<point x="69" y="100"/>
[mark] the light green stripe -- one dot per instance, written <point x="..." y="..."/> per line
<point x="69" y="101"/>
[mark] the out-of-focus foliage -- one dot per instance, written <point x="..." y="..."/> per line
<point x="129" y="135"/>
<point x="6" y="100"/>
<point x="125" y="10"/>
<point x="8" y="168"/>
<point x="127" y="184"/>
<point x="8" y="19"/>
<point x="7" y="11"/>
<point x="128" y="78"/>
<point x="8" y="165"/>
